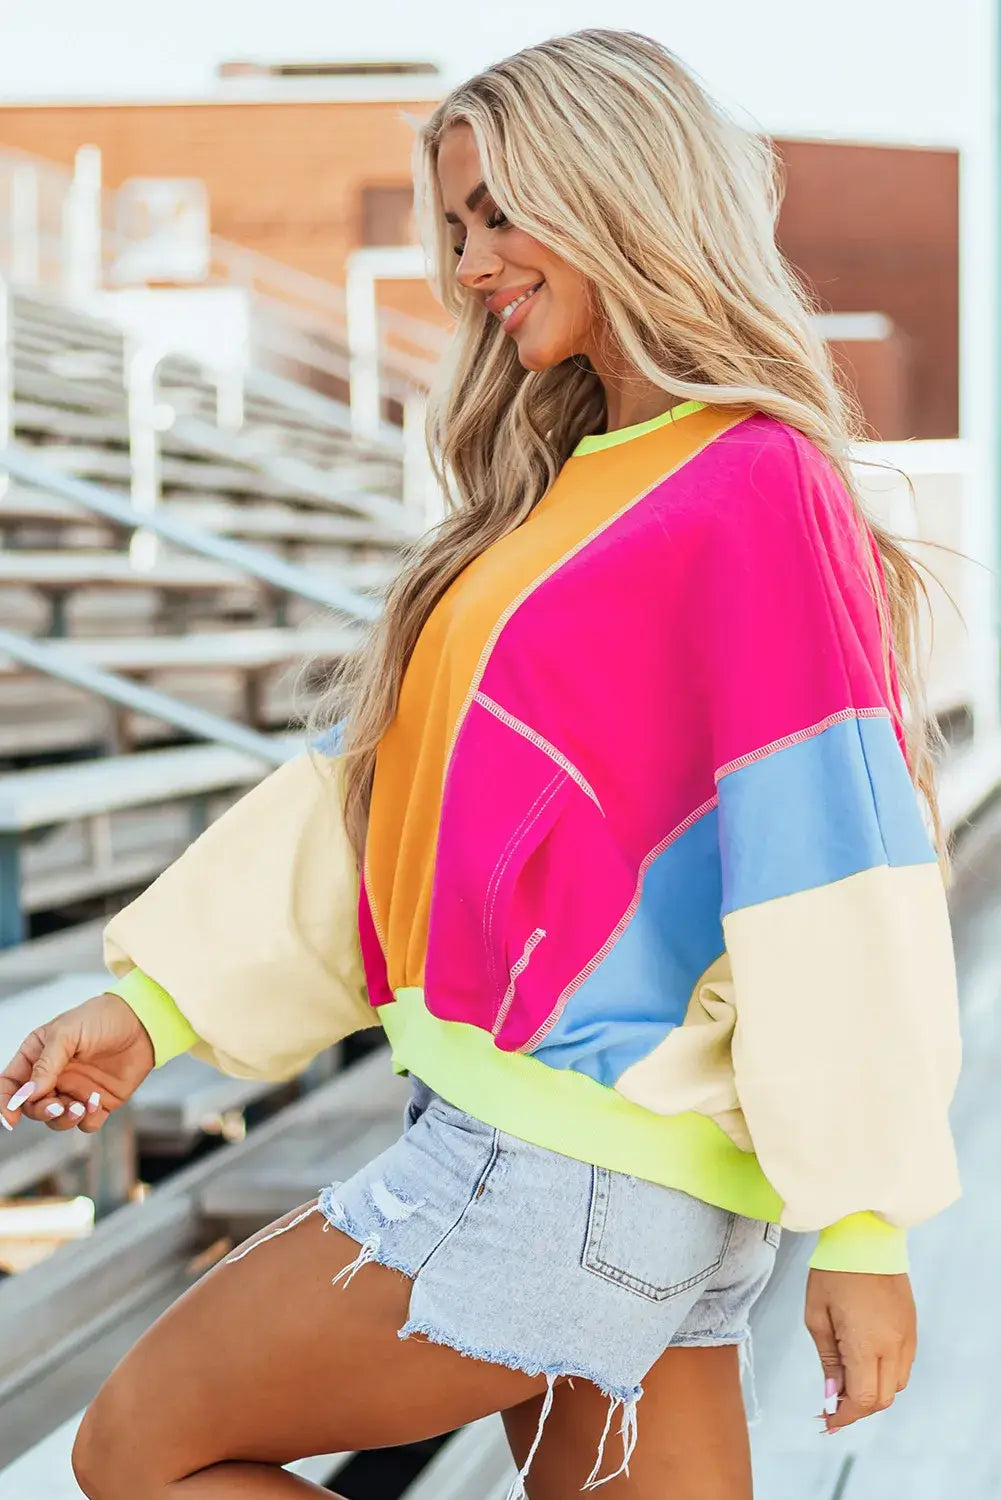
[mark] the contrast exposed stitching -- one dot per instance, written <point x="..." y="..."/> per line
<point x="561" y="562"/>
<point x="373" y="913"/>
<point x="735" y="765"/>
<point x="541" y="743"/>
<point x="799" y="737"/>
<point x="493" y="882"/>
<point x="516" y="971"/>
<point x="524" y="828"/>
<point x="620" y="927"/>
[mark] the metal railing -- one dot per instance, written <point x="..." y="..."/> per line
<point x="281" y="576"/>
<point x="54" y="661"/>
<point x="59" y="232"/>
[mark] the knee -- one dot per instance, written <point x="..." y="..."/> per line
<point x="100" y="1458"/>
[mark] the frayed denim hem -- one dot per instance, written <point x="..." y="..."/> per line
<point x="371" y="1252"/>
<point x="623" y="1400"/>
<point x="516" y="1361"/>
<point x="702" y="1341"/>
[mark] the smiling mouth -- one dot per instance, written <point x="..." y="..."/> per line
<point x="506" y="312"/>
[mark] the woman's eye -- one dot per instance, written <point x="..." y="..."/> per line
<point x="496" y="220"/>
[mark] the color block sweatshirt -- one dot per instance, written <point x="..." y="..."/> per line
<point x="646" y="883"/>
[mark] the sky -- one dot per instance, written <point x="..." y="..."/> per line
<point x="860" y="69"/>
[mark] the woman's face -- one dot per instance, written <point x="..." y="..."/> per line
<point x="501" y="264"/>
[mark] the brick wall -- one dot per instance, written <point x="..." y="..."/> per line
<point x="875" y="229"/>
<point x="286" y="179"/>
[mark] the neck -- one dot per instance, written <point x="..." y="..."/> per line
<point x="629" y="396"/>
<point x="625" y="408"/>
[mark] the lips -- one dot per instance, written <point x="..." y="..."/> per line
<point x="502" y="303"/>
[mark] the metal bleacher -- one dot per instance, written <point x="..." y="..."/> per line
<point x="155" y="662"/>
<point x="151" y="669"/>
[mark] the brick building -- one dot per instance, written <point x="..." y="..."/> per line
<point x="307" y="164"/>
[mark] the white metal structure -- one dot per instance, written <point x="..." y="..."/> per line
<point x="366" y="268"/>
<point x="62" y="233"/>
<point x="980" y="335"/>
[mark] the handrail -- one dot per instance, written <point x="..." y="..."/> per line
<point x="298" y="292"/>
<point x="54" y="661"/>
<point x="298" y="475"/>
<point x="285" y="577"/>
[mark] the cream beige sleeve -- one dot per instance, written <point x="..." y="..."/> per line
<point x="846" y="1046"/>
<point x="253" y="932"/>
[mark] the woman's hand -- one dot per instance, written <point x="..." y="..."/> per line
<point x="87" y="1062"/>
<point x="865" y="1330"/>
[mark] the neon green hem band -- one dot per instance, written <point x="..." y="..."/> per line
<point x="639" y="429"/>
<point x="567" y="1112"/>
<point x="862" y="1242"/>
<point x="572" y="1114"/>
<point x="168" y="1028"/>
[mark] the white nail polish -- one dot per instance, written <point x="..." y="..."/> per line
<point x="22" y="1096"/>
<point x="94" y="1100"/>
<point x="5" y="1123"/>
<point x="54" y="1109"/>
<point x="76" y="1110"/>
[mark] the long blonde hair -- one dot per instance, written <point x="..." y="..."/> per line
<point x="607" y="150"/>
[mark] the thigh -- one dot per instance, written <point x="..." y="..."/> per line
<point x="264" y="1360"/>
<point x="692" y="1442"/>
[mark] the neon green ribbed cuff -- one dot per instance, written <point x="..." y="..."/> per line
<point x="168" y="1028"/>
<point x="862" y="1242"/>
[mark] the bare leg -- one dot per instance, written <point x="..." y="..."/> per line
<point x="262" y="1362"/>
<point x="692" y="1435"/>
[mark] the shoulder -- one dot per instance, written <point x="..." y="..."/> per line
<point x="764" y="460"/>
<point x="771" y="488"/>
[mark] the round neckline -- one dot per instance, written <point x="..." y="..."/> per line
<point x="599" y="440"/>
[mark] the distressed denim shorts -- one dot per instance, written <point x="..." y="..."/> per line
<point x="522" y="1257"/>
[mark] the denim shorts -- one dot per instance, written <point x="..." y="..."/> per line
<point x="525" y="1258"/>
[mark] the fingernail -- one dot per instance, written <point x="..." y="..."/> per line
<point x="94" y="1100"/>
<point x="5" y="1123"/>
<point x="76" y="1110"/>
<point x="23" y="1094"/>
<point x="830" y="1397"/>
<point x="53" y="1109"/>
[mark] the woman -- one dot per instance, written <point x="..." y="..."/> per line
<point x="648" y="908"/>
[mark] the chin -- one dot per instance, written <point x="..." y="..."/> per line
<point x="535" y="356"/>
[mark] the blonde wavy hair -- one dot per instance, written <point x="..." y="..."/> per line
<point x="606" y="149"/>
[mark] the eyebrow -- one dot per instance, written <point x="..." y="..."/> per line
<point x="478" y="192"/>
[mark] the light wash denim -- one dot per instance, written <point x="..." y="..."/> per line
<point x="522" y="1257"/>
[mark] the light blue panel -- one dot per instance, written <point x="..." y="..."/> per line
<point x="642" y="989"/>
<point x="819" y="811"/>
<point x="329" y="742"/>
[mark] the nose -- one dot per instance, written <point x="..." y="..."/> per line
<point x="478" y="265"/>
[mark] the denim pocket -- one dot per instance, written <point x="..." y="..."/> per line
<point x="652" y="1240"/>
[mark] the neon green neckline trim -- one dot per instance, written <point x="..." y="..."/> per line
<point x="638" y="429"/>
